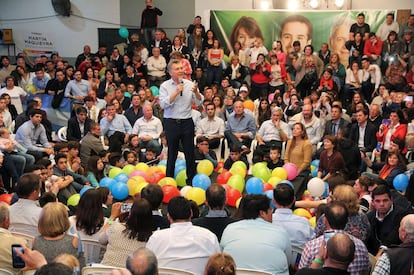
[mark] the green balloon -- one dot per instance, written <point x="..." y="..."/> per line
<point x="73" y="200"/>
<point x="181" y="178"/>
<point x="262" y="173"/>
<point x="236" y="182"/>
<point x="128" y="169"/>
<point x="259" y="166"/>
<point x="239" y="163"/>
<point x="115" y="172"/>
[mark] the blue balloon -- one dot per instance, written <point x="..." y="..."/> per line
<point x="202" y="181"/>
<point x="120" y="191"/>
<point x="180" y="162"/>
<point x="177" y="169"/>
<point x="269" y="194"/>
<point x="287" y="182"/>
<point x="400" y="182"/>
<point x="254" y="186"/>
<point x="315" y="163"/>
<point x="121" y="178"/>
<point x="315" y="173"/>
<point x="106" y="182"/>
<point x="84" y="189"/>
<point x="123" y="32"/>
<point x="163" y="162"/>
<point x="326" y="192"/>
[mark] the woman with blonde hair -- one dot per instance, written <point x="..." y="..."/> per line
<point x="220" y="264"/>
<point x="52" y="226"/>
<point x="358" y="224"/>
<point x="299" y="149"/>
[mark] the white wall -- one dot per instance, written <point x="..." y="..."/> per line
<point x="69" y="34"/>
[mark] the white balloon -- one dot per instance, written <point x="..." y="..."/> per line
<point x="316" y="187"/>
<point x="185" y="189"/>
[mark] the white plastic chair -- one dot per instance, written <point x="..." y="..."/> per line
<point x="62" y="133"/>
<point x="29" y="239"/>
<point x="173" y="271"/>
<point x="97" y="270"/>
<point x="246" y="271"/>
<point x="93" y="251"/>
<point x="5" y="272"/>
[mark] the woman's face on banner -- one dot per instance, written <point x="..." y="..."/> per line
<point x="245" y="40"/>
<point x="337" y="43"/>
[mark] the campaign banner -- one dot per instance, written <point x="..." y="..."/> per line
<point x="36" y="42"/>
<point x="307" y="27"/>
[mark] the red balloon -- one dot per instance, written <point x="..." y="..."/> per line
<point x="267" y="187"/>
<point x="232" y="196"/>
<point x="6" y="198"/>
<point x="223" y="177"/>
<point x="155" y="177"/>
<point x="170" y="191"/>
<point x="219" y="166"/>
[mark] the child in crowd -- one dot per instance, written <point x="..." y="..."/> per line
<point x="95" y="170"/>
<point x="74" y="162"/>
<point x="106" y="200"/>
<point x="151" y="158"/>
<point x="130" y="157"/>
<point x="235" y="155"/>
<point x="114" y="160"/>
<point x="274" y="158"/>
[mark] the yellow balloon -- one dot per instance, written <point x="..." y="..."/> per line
<point x="196" y="194"/>
<point x="167" y="181"/>
<point x="279" y="172"/>
<point x="142" y="167"/>
<point x="238" y="202"/>
<point x="162" y="168"/>
<point x="133" y="182"/>
<point x="274" y="180"/>
<point x="302" y="212"/>
<point x="238" y="170"/>
<point x="139" y="187"/>
<point x="312" y="222"/>
<point x="205" y="167"/>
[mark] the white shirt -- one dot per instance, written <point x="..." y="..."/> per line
<point x="24" y="217"/>
<point x="268" y="131"/>
<point x="384" y="29"/>
<point x="183" y="246"/>
<point x="210" y="127"/>
<point x="151" y="127"/>
<point x="361" y="129"/>
<point x="15" y="97"/>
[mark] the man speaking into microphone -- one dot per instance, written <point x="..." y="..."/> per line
<point x="176" y="96"/>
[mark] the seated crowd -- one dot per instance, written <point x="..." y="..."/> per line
<point x="357" y="121"/>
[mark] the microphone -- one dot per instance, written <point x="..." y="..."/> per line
<point x="181" y="82"/>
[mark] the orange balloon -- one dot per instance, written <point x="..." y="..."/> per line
<point x="248" y="104"/>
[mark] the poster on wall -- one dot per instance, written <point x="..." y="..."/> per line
<point x="308" y="27"/>
<point x="36" y="42"/>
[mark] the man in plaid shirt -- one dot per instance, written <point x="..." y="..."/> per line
<point x="336" y="217"/>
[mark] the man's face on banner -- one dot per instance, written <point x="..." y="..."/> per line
<point x="293" y="31"/>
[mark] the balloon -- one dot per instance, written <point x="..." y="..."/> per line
<point x="248" y="104"/>
<point x="185" y="189"/>
<point x="155" y="177"/>
<point x="163" y="162"/>
<point x="170" y="192"/>
<point x="258" y="166"/>
<point x="122" y="177"/>
<point x="167" y="181"/>
<point x="280" y="172"/>
<point x="236" y="182"/>
<point x="302" y="212"/>
<point x="133" y="183"/>
<point x="196" y="194"/>
<point x="205" y="167"/>
<point x="73" y="200"/>
<point x="274" y="180"/>
<point x="155" y="91"/>
<point x="201" y="181"/>
<point x="269" y="194"/>
<point x="254" y="186"/>
<point x="180" y="162"/>
<point x="84" y="189"/>
<point x="233" y="195"/>
<point x="120" y="191"/>
<point x="7" y="198"/>
<point x="128" y="169"/>
<point x="142" y="167"/>
<point x="312" y="222"/>
<point x="114" y="172"/>
<point x="315" y="163"/>
<point x="181" y="178"/>
<point x="263" y="173"/>
<point x="267" y="187"/>
<point x="106" y="182"/>
<point x="291" y="169"/>
<point x="219" y="166"/>
<point x="123" y="32"/>
<point x="177" y="169"/>
<point x="223" y="177"/>
<point x="138" y="188"/>
<point x="30" y="88"/>
<point x="400" y="182"/>
<point x="162" y="168"/>
<point x="314" y="173"/>
<point x="138" y="173"/>
<point x="240" y="164"/>
<point x="326" y="191"/>
<point x="152" y="169"/>
<point x="316" y="187"/>
<point x="238" y="170"/>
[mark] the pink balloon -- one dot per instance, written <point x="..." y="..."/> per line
<point x="291" y="169"/>
<point x="138" y="173"/>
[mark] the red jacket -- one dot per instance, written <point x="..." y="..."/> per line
<point x="370" y="49"/>
<point x="400" y="132"/>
